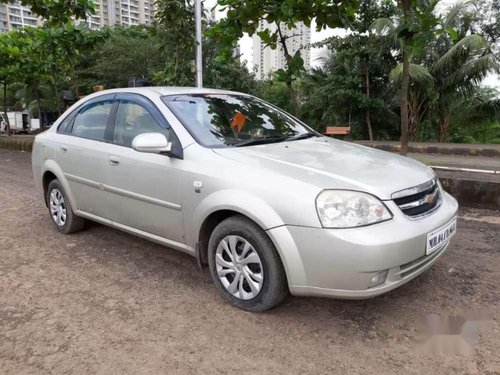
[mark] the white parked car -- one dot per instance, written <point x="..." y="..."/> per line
<point x="268" y="204"/>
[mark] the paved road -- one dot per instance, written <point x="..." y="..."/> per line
<point x="102" y="301"/>
<point x="456" y="161"/>
<point x="456" y="147"/>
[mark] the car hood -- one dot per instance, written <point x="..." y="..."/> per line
<point x="332" y="164"/>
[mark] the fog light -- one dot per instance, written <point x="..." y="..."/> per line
<point x="378" y="279"/>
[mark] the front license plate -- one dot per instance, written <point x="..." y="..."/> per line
<point x="440" y="236"/>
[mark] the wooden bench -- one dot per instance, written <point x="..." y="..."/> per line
<point x="337" y="130"/>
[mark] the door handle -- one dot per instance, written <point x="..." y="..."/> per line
<point x="114" y="160"/>
<point x="64" y="148"/>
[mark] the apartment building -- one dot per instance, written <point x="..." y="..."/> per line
<point x="121" y="12"/>
<point x="14" y="16"/>
<point x="107" y="13"/>
<point x="268" y="60"/>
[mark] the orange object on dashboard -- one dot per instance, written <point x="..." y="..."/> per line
<point x="238" y="122"/>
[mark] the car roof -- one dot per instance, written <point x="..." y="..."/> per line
<point x="165" y="90"/>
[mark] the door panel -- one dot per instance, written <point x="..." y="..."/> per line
<point x="144" y="192"/>
<point x="82" y="155"/>
<point x="83" y="163"/>
<point x="143" y="188"/>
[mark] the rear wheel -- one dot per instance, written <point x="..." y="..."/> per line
<point x="245" y="265"/>
<point x="60" y="210"/>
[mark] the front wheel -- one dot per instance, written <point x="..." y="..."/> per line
<point x="245" y="265"/>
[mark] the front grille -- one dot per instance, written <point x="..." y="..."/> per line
<point x="420" y="200"/>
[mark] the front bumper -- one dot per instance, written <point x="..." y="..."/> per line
<point x="342" y="262"/>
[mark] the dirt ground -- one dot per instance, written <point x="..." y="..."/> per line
<point x="105" y="302"/>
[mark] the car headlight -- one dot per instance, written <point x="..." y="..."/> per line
<point x="347" y="209"/>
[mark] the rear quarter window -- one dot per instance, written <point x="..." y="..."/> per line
<point x="65" y="124"/>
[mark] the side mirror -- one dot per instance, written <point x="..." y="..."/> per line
<point x="151" y="142"/>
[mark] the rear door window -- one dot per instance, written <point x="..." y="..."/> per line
<point x="91" y="120"/>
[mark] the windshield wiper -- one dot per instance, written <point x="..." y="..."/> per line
<point x="302" y="136"/>
<point x="261" y="140"/>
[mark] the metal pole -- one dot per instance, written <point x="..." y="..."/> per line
<point x="199" y="65"/>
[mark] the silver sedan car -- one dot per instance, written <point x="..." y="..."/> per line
<point x="268" y="204"/>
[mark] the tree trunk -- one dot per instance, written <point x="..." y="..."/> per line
<point x="412" y="115"/>
<point x="444" y="128"/>
<point x="74" y="81"/>
<point x="404" y="102"/>
<point x="7" y="122"/>
<point x="58" y="97"/>
<point x="405" y="79"/>
<point x="368" y="121"/>
<point x="176" y="65"/>
<point x="293" y="97"/>
<point x="289" y="80"/>
<point x="39" y="105"/>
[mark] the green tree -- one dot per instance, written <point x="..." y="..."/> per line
<point x="137" y="48"/>
<point x="276" y="92"/>
<point x="176" y="32"/>
<point x="482" y="18"/>
<point x="55" y="13"/>
<point x="27" y="58"/>
<point x="331" y="98"/>
<point x="335" y="95"/>
<point x="176" y="21"/>
<point x="35" y="58"/>
<point x="65" y="47"/>
<point x="9" y="54"/>
<point x="414" y="27"/>
<point x="477" y="119"/>
<point x="448" y="71"/>
<point x="34" y="66"/>
<point x="245" y="16"/>
<point x="230" y="74"/>
<point x="362" y="53"/>
<point x="458" y="73"/>
<point x="25" y="98"/>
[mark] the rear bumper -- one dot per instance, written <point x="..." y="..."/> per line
<point x="342" y="262"/>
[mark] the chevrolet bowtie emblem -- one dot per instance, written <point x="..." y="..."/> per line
<point x="429" y="198"/>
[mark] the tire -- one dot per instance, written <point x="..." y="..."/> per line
<point x="237" y="232"/>
<point x="69" y="223"/>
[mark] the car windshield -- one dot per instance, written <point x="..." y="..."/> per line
<point x="220" y="120"/>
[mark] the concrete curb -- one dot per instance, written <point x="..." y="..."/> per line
<point x="446" y="149"/>
<point x="473" y="193"/>
<point x="16" y="144"/>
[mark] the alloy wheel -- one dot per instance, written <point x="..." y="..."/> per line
<point x="57" y="206"/>
<point x="239" y="267"/>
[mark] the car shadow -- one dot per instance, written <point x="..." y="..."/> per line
<point x="385" y="314"/>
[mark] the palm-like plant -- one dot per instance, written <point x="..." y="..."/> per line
<point x="458" y="73"/>
<point x="420" y="94"/>
<point x="452" y="66"/>
<point x="36" y="99"/>
<point x="409" y="33"/>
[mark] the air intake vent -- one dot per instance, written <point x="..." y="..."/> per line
<point x="420" y="200"/>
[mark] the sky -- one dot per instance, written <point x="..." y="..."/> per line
<point x="246" y="45"/>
